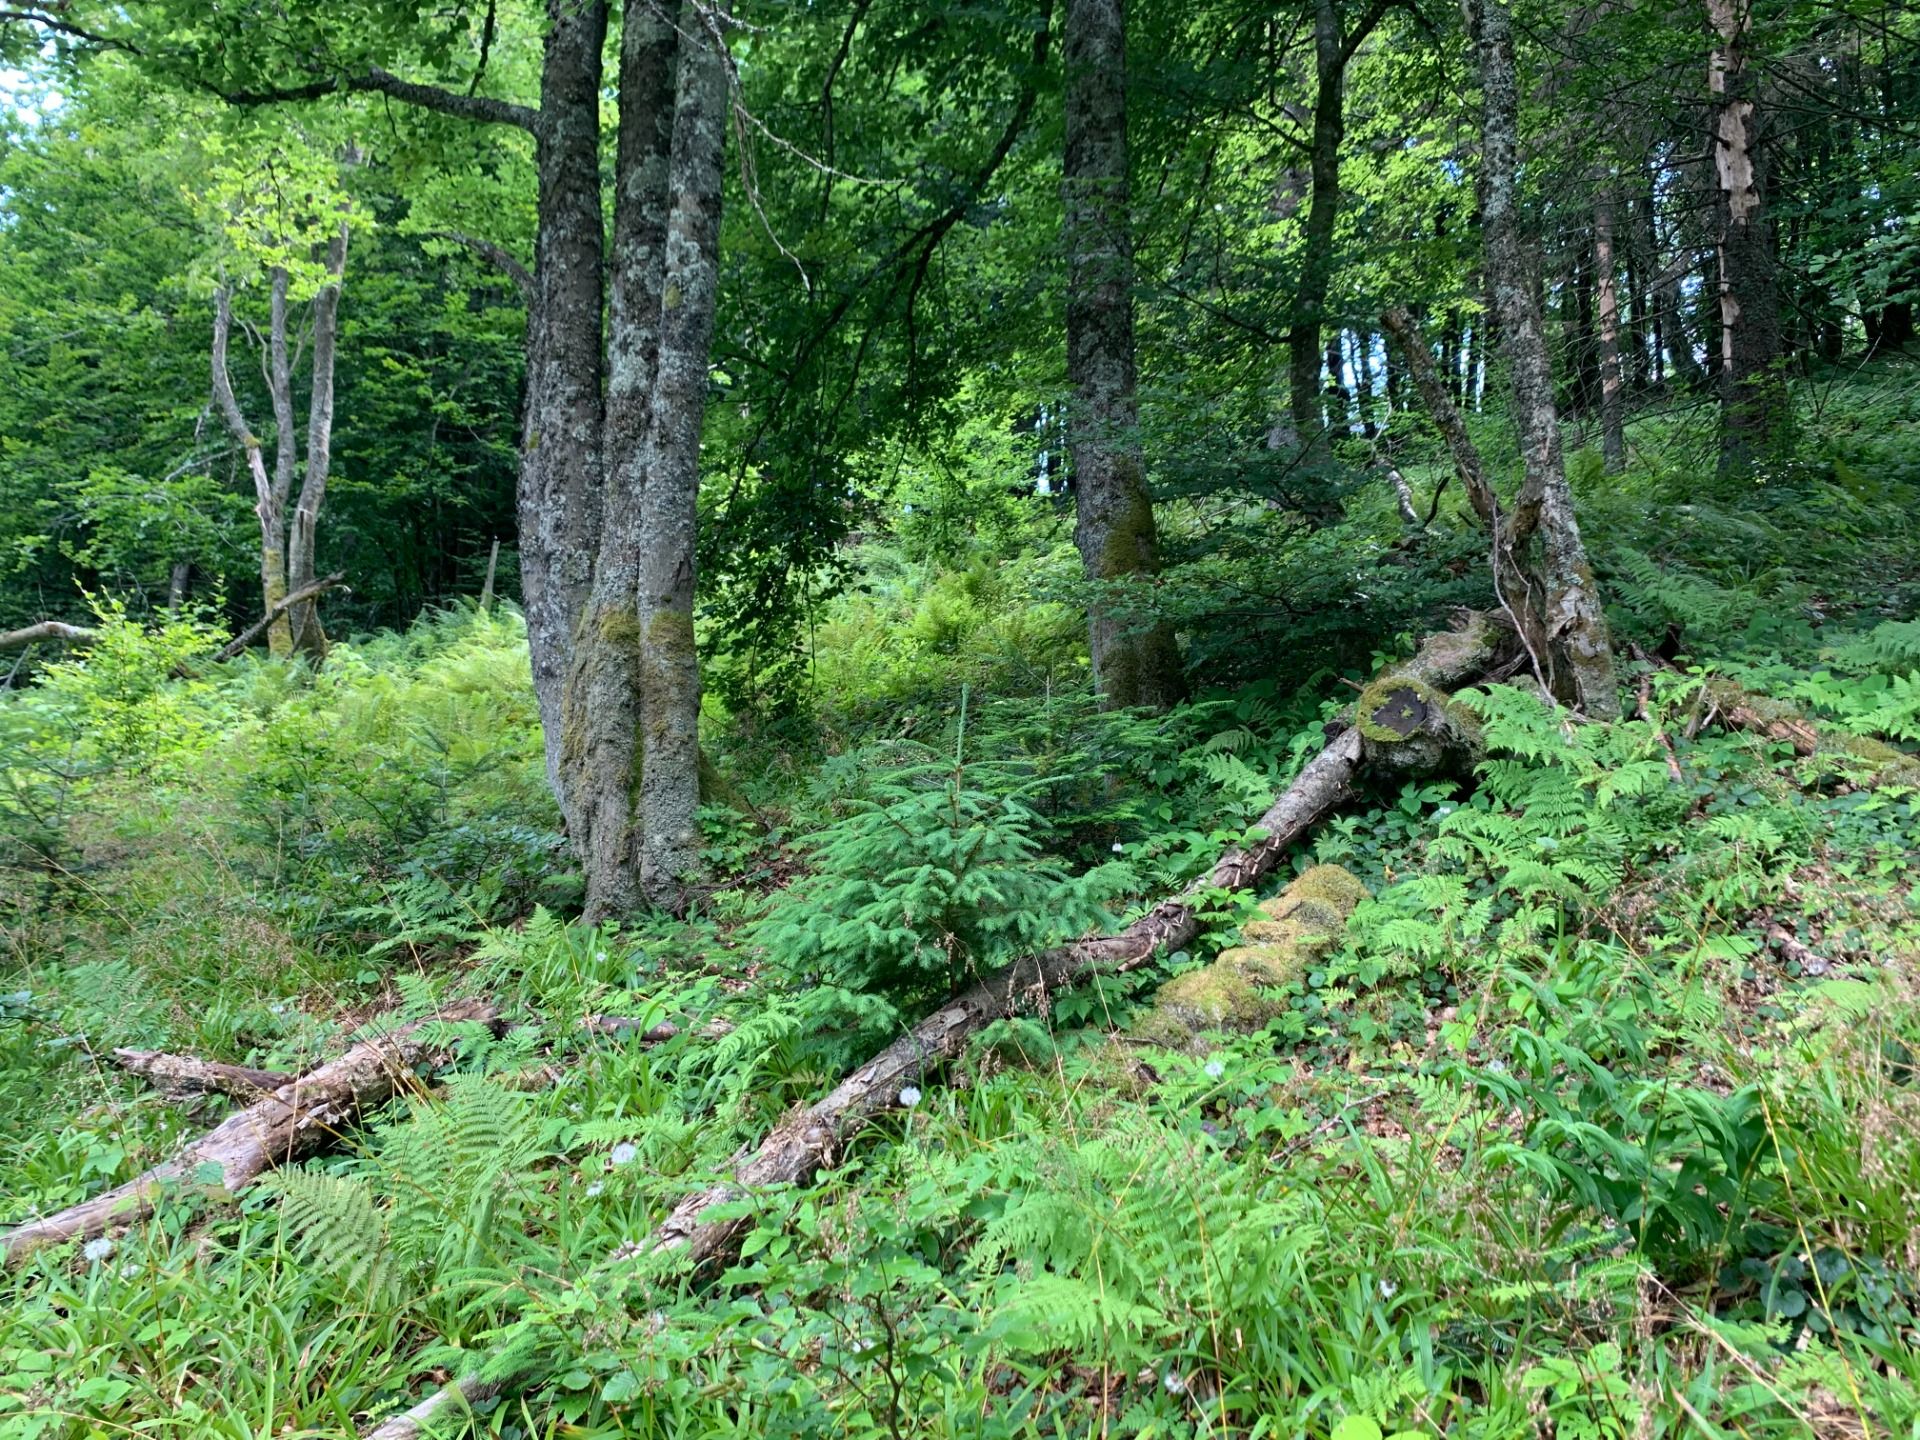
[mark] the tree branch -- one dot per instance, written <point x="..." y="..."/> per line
<point x="374" y="80"/>
<point x="498" y="256"/>
<point x="46" y="630"/>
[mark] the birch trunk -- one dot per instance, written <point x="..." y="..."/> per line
<point x="600" y="740"/>
<point x="1113" y="510"/>
<point x="669" y="667"/>
<point x="1613" y="440"/>
<point x="303" y="619"/>
<point x="1753" y="400"/>
<point x="1575" y="622"/>
<point x="558" y="496"/>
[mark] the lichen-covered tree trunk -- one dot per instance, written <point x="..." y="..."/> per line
<point x="1575" y="622"/>
<point x="273" y="556"/>
<point x="669" y="666"/>
<point x="1134" y="663"/>
<point x="600" y="741"/>
<point x="1753" y="399"/>
<point x="1613" y="439"/>
<point x="303" y="619"/>
<point x="560" y="447"/>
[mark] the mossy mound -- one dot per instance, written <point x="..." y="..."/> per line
<point x="1297" y="926"/>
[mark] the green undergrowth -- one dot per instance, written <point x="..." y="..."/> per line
<point x="1599" y="1117"/>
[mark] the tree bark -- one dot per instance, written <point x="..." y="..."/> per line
<point x="1513" y="585"/>
<point x="559" y="490"/>
<point x="1613" y="439"/>
<point x="1753" y="399"/>
<point x="600" y="741"/>
<point x="46" y="630"/>
<point x="189" y="1075"/>
<point x="266" y="509"/>
<point x="1574" y="620"/>
<point x="303" y="619"/>
<point x="669" y="664"/>
<point x="247" y="636"/>
<point x="294" y="1121"/>
<point x="1113" y="509"/>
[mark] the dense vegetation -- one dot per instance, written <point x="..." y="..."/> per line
<point x="962" y="477"/>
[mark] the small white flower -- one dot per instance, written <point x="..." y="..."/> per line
<point x="129" y="1270"/>
<point x="625" y="1153"/>
<point x="278" y="1009"/>
<point x="1175" y="1382"/>
<point x="600" y="956"/>
<point x="98" y="1250"/>
<point x="1118" y="847"/>
<point x="595" y="1188"/>
<point x="910" y="1096"/>
<point x="1215" y="1069"/>
<point x="1387" y="1289"/>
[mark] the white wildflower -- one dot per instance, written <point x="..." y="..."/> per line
<point x="1388" y="1289"/>
<point x="1118" y="847"/>
<point x="910" y="1096"/>
<point x="595" y="1188"/>
<point x="625" y="1153"/>
<point x="1175" y="1382"/>
<point x="1215" y="1069"/>
<point x="98" y="1250"/>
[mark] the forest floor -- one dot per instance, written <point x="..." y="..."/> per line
<point x="1597" y="1114"/>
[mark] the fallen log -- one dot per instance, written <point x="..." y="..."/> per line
<point x="294" y="1121"/>
<point x="812" y="1139"/>
<point x="1730" y="704"/>
<point x="189" y="1075"/>
<point x="46" y="630"/>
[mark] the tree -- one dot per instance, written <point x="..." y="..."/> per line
<point x="1753" y="403"/>
<point x="1134" y="663"/>
<point x="1574" y="624"/>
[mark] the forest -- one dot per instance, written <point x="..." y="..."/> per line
<point x="959" y="718"/>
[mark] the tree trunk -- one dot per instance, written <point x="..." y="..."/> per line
<point x="1753" y="399"/>
<point x="267" y="508"/>
<point x="558" y="495"/>
<point x="1574" y="619"/>
<point x="1513" y="586"/>
<point x="600" y="738"/>
<point x="1613" y="438"/>
<point x="669" y="666"/>
<point x="304" y="618"/>
<point x="1113" y="510"/>
<point x="1363" y="381"/>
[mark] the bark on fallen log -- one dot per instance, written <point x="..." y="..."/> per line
<point x="296" y="1120"/>
<point x="46" y="630"/>
<point x="1724" y="702"/>
<point x="189" y="1075"/>
<point x="815" y="1138"/>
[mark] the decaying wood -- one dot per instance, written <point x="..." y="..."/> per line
<point x="628" y="1027"/>
<point x="46" y="630"/>
<point x="190" y="1075"/>
<point x="294" y="1121"/>
<point x="807" y="1140"/>
<point x="280" y="607"/>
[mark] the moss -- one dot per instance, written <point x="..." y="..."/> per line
<point x="620" y="626"/>
<point x="1396" y="707"/>
<point x="1297" y="926"/>
<point x="1335" y="885"/>
<point x="1891" y="765"/>
<point x="1216" y="997"/>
